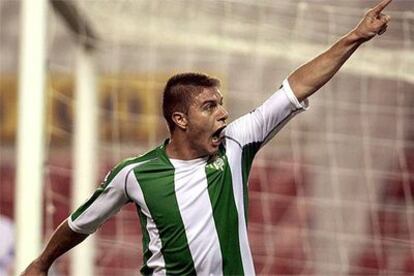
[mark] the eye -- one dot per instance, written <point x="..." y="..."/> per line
<point x="210" y="105"/>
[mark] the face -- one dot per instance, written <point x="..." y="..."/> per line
<point x="206" y="118"/>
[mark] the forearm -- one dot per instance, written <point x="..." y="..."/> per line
<point x="62" y="240"/>
<point x="312" y="75"/>
<point x="308" y="78"/>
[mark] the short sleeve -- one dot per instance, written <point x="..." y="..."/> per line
<point x="260" y="125"/>
<point x="107" y="199"/>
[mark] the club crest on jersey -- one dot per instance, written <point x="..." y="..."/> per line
<point x="218" y="164"/>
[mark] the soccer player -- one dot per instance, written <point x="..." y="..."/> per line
<point x="191" y="191"/>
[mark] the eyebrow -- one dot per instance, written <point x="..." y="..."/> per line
<point x="208" y="102"/>
<point x="220" y="101"/>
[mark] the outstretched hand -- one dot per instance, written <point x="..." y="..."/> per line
<point x="374" y="22"/>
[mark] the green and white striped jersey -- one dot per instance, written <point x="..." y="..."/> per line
<point x="193" y="212"/>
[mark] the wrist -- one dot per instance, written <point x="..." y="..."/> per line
<point x="355" y="36"/>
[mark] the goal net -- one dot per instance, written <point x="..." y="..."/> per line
<point x="331" y="194"/>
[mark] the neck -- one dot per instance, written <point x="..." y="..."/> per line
<point x="179" y="148"/>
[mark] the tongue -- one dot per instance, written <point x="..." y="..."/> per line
<point x="217" y="133"/>
<point x="215" y="139"/>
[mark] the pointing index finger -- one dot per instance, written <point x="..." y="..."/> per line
<point x="378" y="8"/>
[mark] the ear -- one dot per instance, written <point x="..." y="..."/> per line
<point x="180" y="119"/>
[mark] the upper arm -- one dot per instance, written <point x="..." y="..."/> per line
<point x="107" y="199"/>
<point x="265" y="121"/>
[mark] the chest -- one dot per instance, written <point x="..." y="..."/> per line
<point x="173" y="191"/>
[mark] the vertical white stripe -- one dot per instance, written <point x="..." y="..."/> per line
<point x="156" y="261"/>
<point x="234" y="158"/>
<point x="193" y="200"/>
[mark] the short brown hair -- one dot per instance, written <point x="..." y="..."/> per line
<point x="180" y="90"/>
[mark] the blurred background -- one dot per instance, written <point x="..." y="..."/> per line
<point x="331" y="194"/>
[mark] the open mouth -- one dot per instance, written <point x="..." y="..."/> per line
<point x="218" y="135"/>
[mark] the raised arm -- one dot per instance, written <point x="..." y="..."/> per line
<point x="311" y="76"/>
<point x="62" y="240"/>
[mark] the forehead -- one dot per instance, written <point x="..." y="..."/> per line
<point x="208" y="94"/>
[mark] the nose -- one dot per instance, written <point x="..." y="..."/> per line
<point x="223" y="114"/>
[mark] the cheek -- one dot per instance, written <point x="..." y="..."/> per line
<point x="200" y="130"/>
<point x="201" y="123"/>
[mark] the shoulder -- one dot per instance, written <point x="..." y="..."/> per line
<point x="144" y="158"/>
<point x="128" y="164"/>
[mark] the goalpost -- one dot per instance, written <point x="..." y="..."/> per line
<point x="30" y="145"/>
<point x="30" y="142"/>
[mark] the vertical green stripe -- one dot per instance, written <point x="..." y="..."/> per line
<point x="156" y="180"/>
<point x="225" y="214"/>
<point x="145" y="270"/>
<point x="248" y="153"/>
